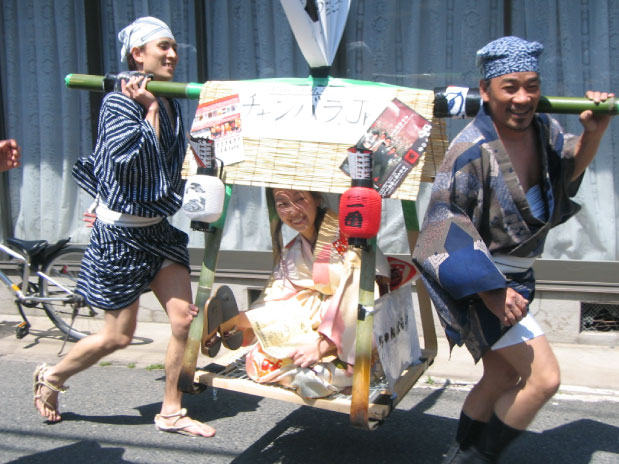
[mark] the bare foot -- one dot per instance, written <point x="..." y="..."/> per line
<point x="183" y="424"/>
<point x="46" y="395"/>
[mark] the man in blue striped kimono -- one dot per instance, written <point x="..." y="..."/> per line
<point x="135" y="175"/>
<point x="506" y="180"/>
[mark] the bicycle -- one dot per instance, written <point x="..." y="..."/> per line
<point x="48" y="281"/>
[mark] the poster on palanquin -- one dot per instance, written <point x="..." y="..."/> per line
<point x="296" y="132"/>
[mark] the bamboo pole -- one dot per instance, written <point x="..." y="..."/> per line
<point x="191" y="90"/>
<point x="459" y="102"/>
<point x="160" y="88"/>
<point x="363" y="349"/>
<point x="212" y="241"/>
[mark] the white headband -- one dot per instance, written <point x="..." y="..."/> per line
<point x="141" y="31"/>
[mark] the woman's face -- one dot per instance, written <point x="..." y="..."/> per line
<point x="158" y="57"/>
<point x="297" y="209"/>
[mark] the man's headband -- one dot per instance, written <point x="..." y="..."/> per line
<point x="142" y="31"/>
<point x="508" y="55"/>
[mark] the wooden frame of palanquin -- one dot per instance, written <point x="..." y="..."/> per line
<point x="314" y="166"/>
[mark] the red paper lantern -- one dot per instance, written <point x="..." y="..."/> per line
<point x="360" y="210"/>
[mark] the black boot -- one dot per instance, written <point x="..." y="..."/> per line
<point x="468" y="431"/>
<point x="489" y="445"/>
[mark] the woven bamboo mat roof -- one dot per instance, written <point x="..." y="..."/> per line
<point x="311" y="165"/>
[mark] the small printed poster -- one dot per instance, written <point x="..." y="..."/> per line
<point x="395" y="333"/>
<point x="397" y="139"/>
<point x="220" y="120"/>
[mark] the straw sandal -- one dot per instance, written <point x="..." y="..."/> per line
<point x="220" y="323"/>
<point x="211" y="341"/>
<point x="40" y="381"/>
<point x="182" y="414"/>
<point x="231" y="336"/>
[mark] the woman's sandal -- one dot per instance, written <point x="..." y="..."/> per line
<point x="220" y="318"/>
<point x="160" y="425"/>
<point x="40" y="381"/>
<point x="211" y="342"/>
<point x="231" y="336"/>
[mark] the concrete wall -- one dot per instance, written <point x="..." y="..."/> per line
<point x="557" y="311"/>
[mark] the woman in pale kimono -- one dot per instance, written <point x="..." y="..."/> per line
<point x="305" y="320"/>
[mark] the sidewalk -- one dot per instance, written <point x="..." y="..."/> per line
<point x="588" y="366"/>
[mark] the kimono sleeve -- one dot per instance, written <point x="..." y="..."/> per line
<point x="561" y="163"/>
<point x="132" y="157"/>
<point x="127" y="135"/>
<point x="450" y="251"/>
<point x="84" y="176"/>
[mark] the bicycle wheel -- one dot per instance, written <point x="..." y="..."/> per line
<point x="77" y="320"/>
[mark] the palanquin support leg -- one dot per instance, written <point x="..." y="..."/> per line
<point x="212" y="242"/>
<point x="361" y="378"/>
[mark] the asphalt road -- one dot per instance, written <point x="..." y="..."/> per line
<point x="108" y="414"/>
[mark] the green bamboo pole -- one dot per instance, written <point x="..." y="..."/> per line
<point x="470" y="101"/>
<point x="191" y="90"/>
<point x="359" y="404"/>
<point x="576" y="105"/>
<point x="212" y="242"/>
<point x="94" y="83"/>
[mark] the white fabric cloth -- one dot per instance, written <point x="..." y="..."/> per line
<point x="142" y="31"/>
<point x="106" y="215"/>
<point x="526" y="329"/>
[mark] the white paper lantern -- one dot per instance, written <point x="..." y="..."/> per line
<point x="204" y="198"/>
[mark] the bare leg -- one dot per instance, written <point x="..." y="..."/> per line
<point x="498" y="377"/>
<point x="242" y="322"/>
<point x="539" y="374"/>
<point x="119" y="327"/>
<point x="516" y="383"/>
<point x="172" y="286"/>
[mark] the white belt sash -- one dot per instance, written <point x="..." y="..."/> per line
<point x="107" y="216"/>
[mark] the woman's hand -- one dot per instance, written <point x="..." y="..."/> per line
<point x="310" y="354"/>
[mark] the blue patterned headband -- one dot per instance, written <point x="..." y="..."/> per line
<point x="508" y="55"/>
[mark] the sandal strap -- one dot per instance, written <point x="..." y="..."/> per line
<point x="41" y="380"/>
<point x="180" y="414"/>
<point x="39" y="398"/>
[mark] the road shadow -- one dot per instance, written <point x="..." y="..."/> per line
<point x="82" y="451"/>
<point x="34" y="337"/>
<point x="313" y="436"/>
<point x="204" y="407"/>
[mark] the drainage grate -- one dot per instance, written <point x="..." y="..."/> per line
<point x="599" y="317"/>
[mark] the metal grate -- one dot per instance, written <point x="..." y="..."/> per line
<point x="599" y="317"/>
<point x="236" y="370"/>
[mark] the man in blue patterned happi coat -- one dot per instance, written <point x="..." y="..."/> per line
<point x="506" y="180"/>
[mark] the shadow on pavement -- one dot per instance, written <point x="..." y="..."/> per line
<point x="8" y="328"/>
<point x="82" y="451"/>
<point x="313" y="436"/>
